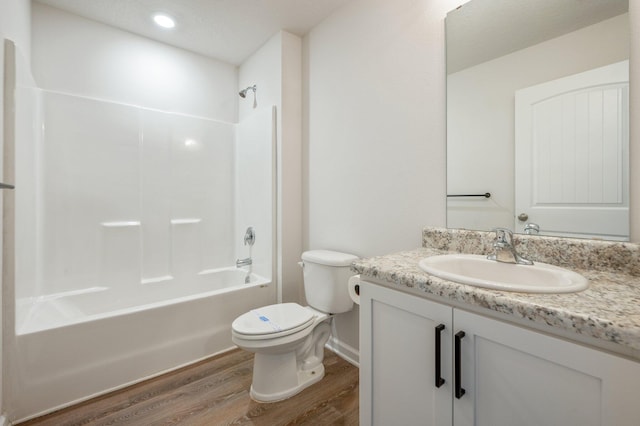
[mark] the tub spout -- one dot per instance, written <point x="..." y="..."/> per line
<point x="243" y="262"/>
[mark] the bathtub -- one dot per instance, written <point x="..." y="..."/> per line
<point x="75" y="345"/>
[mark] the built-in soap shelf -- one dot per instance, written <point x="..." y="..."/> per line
<point x="120" y="224"/>
<point x="185" y="221"/>
<point x="156" y="280"/>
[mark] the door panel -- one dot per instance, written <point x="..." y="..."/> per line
<point x="572" y="142"/>
<point x="397" y="359"/>
<point x="515" y="376"/>
<point x="508" y="380"/>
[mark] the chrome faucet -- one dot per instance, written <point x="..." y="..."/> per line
<point x="531" y="228"/>
<point x="249" y="239"/>
<point x="243" y="262"/>
<point x="505" y="250"/>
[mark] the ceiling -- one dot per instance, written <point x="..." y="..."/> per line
<point x="229" y="30"/>
<point x="482" y="30"/>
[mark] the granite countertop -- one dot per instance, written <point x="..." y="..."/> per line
<point x="608" y="311"/>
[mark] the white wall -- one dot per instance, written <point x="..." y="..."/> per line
<point x="79" y="56"/>
<point x="275" y="69"/>
<point x="15" y="25"/>
<point x="374" y="126"/>
<point x="374" y="130"/>
<point x="480" y="152"/>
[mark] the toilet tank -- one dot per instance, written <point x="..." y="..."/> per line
<point x="326" y="275"/>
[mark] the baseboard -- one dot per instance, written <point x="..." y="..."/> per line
<point x="344" y="351"/>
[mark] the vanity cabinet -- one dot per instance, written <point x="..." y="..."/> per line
<point x="426" y="363"/>
<point x="398" y="359"/>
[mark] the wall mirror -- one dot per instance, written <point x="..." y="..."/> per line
<point x="537" y="117"/>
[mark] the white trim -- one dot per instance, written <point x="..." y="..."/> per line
<point x="344" y="351"/>
<point x="4" y="421"/>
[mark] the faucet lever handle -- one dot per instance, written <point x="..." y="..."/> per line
<point x="503" y="235"/>
<point x="250" y="236"/>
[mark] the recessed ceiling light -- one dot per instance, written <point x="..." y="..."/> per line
<point x="163" y="20"/>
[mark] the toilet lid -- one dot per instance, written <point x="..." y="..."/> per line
<point x="273" y="319"/>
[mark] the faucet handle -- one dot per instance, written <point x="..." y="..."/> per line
<point x="503" y="236"/>
<point x="505" y="250"/>
<point x="249" y="236"/>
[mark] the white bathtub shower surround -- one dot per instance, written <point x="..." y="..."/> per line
<point x="254" y="182"/>
<point x="126" y="239"/>
<point x="91" y="352"/>
<point x="116" y="195"/>
<point x="123" y="195"/>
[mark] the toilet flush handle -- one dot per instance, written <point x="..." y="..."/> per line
<point x="301" y="264"/>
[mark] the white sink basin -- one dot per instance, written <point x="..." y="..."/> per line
<point x="478" y="271"/>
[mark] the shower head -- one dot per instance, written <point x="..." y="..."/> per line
<point x="243" y="93"/>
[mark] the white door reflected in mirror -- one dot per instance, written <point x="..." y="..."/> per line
<point x="571" y="154"/>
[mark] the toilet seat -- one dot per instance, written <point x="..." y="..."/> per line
<point x="272" y="321"/>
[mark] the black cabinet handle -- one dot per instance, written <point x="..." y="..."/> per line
<point x="439" y="379"/>
<point x="458" y="377"/>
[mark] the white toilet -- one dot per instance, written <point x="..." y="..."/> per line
<point x="288" y="339"/>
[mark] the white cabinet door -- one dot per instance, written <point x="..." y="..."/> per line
<point x="398" y="359"/>
<point x="514" y="376"/>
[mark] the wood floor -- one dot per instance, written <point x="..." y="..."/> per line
<point x="216" y="392"/>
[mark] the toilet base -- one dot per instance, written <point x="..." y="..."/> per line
<point x="306" y="378"/>
<point x="280" y="375"/>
